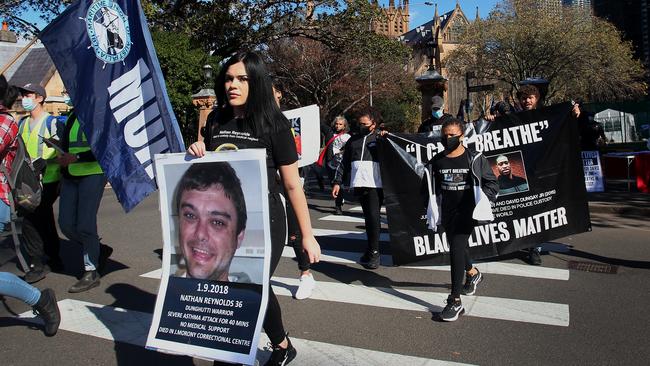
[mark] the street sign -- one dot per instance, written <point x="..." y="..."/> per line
<point x="478" y="88"/>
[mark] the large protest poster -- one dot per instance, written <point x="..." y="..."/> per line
<point x="305" y="122"/>
<point x="216" y="255"/>
<point x="105" y="55"/>
<point x="594" y="179"/>
<point x="541" y="195"/>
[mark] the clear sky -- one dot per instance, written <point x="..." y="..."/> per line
<point x="421" y="12"/>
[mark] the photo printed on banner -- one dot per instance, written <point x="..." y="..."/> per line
<point x="216" y="255"/>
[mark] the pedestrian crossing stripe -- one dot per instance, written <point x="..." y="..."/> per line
<point x="359" y="209"/>
<point x="480" y="306"/>
<point x="352" y="219"/>
<point x="505" y="269"/>
<point x="131" y="326"/>
<point x="537" y="312"/>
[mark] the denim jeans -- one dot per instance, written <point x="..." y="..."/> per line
<point x="11" y="285"/>
<point x="5" y="215"/>
<point x="78" y="206"/>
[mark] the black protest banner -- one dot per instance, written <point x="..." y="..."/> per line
<point x="542" y="194"/>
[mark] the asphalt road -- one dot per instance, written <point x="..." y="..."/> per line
<point x="546" y="315"/>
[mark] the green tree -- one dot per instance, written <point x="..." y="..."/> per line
<point x="580" y="55"/>
<point x="15" y="13"/>
<point x="181" y="62"/>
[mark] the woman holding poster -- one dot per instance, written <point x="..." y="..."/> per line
<point x="464" y="185"/>
<point x="247" y="116"/>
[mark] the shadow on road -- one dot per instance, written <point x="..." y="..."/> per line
<point x="131" y="351"/>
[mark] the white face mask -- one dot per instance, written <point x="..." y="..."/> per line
<point x="28" y="104"/>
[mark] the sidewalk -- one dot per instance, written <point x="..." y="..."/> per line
<point x="620" y="203"/>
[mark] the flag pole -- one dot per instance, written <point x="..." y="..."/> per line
<point x="17" y="56"/>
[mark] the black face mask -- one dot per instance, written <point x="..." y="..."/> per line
<point x="364" y="130"/>
<point x="451" y="143"/>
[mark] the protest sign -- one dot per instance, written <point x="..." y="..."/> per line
<point x="305" y="122"/>
<point x="594" y="180"/>
<point x="539" y="198"/>
<point x="216" y="255"/>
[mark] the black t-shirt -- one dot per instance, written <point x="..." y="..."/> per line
<point x="454" y="183"/>
<point x="505" y="182"/>
<point x="280" y="146"/>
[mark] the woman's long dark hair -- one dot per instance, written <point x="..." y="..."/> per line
<point x="261" y="111"/>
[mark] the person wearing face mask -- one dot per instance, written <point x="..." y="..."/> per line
<point x="438" y="116"/>
<point x="82" y="189"/>
<point x="34" y="128"/>
<point x="360" y="166"/>
<point x="463" y="187"/>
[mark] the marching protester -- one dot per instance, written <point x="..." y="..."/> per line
<point x="82" y="190"/>
<point x="32" y="244"/>
<point x="248" y="117"/>
<point x="43" y="302"/>
<point x="34" y="129"/>
<point x="437" y="118"/>
<point x="360" y="166"/>
<point x="463" y="187"/>
<point x="332" y="154"/>
<point x="529" y="97"/>
<point x="307" y="281"/>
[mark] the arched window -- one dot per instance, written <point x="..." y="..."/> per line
<point x="455" y="30"/>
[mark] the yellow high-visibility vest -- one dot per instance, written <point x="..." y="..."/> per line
<point x="36" y="148"/>
<point x="79" y="144"/>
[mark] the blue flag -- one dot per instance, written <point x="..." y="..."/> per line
<point x="105" y="55"/>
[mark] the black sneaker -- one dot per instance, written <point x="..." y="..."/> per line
<point x="47" y="308"/>
<point x="370" y="260"/>
<point x="338" y="211"/>
<point x="533" y="257"/>
<point x="282" y="356"/>
<point x="469" y="288"/>
<point x="36" y="273"/>
<point x="90" y="279"/>
<point x="453" y="309"/>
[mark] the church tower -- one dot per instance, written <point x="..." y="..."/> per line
<point x="395" y="21"/>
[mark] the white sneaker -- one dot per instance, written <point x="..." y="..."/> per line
<point x="307" y="285"/>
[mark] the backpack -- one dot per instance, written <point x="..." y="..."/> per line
<point x="24" y="180"/>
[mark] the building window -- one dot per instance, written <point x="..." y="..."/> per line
<point x="454" y="31"/>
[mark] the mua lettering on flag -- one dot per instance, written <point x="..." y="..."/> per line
<point x="105" y="55"/>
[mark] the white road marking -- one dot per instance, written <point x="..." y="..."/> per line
<point x="352" y="219"/>
<point x="499" y="268"/>
<point x="130" y="326"/>
<point x="479" y="306"/>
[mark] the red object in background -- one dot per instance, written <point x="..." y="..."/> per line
<point x="615" y="167"/>
<point x="298" y="142"/>
<point x="642" y="168"/>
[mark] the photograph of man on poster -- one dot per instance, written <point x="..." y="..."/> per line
<point x="211" y="211"/>
<point x="508" y="181"/>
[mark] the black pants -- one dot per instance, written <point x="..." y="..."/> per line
<point x="371" y="200"/>
<point x="295" y="238"/>
<point x="273" y="321"/>
<point x="43" y="220"/>
<point x="459" y="260"/>
<point x="338" y="201"/>
<point x="32" y="244"/>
